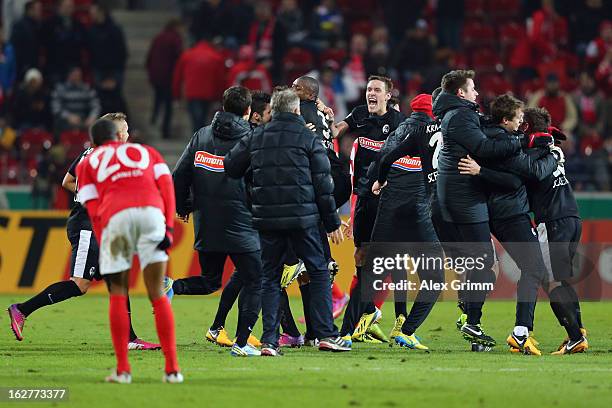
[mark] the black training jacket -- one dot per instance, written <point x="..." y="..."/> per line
<point x="292" y="185"/>
<point x="504" y="179"/>
<point x="463" y="198"/>
<point x="221" y="216"/>
<point x="551" y="198"/>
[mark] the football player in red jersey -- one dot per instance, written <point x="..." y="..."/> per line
<point x="129" y="196"/>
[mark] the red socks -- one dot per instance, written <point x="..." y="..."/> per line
<point x="337" y="292"/>
<point x="164" y="322"/>
<point x="120" y="330"/>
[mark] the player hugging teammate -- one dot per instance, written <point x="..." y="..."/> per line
<point x="444" y="178"/>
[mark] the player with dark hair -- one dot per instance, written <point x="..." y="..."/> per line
<point x="260" y="108"/>
<point x="84" y="266"/>
<point x="307" y="88"/>
<point x="222" y="221"/>
<point x="463" y="200"/>
<point x="404" y="214"/>
<point x="509" y="212"/>
<point x="558" y="222"/>
<point x="372" y="123"/>
<point x="128" y="193"/>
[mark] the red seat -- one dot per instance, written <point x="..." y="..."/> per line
<point x="475" y="8"/>
<point x="74" y="141"/>
<point x="9" y="170"/>
<point x="476" y="34"/>
<point x="486" y="60"/>
<point x="364" y="27"/>
<point x="494" y="85"/>
<point x="32" y="142"/>
<point x="334" y="54"/>
<point x="506" y="9"/>
<point x="297" y="62"/>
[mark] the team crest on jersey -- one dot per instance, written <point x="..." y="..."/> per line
<point x="386" y="129"/>
<point x="370" y="144"/>
<point x="208" y="161"/>
<point x="408" y="163"/>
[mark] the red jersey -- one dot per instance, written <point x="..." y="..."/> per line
<point x="124" y="175"/>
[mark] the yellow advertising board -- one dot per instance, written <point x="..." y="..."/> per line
<point x="35" y="252"/>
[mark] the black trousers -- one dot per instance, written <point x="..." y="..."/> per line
<point x="408" y="222"/>
<point x="519" y="239"/>
<point x="307" y="246"/>
<point x="476" y="243"/>
<point x="163" y="102"/>
<point x="563" y="237"/>
<point x="248" y="274"/>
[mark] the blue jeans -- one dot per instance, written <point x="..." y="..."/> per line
<point x="307" y="246"/>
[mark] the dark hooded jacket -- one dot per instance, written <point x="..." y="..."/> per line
<point x="507" y="193"/>
<point x="463" y="198"/>
<point x="221" y="215"/>
<point x="292" y="185"/>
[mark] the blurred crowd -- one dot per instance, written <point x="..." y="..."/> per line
<point x="555" y="54"/>
<point x="62" y="63"/>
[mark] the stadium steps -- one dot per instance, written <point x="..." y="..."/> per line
<point x="140" y="27"/>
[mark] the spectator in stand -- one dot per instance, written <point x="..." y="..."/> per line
<point x="12" y="11"/>
<point x="249" y="73"/>
<point x="290" y="17"/>
<point x="354" y="70"/>
<point x="45" y="179"/>
<point x="199" y="75"/>
<point x="110" y="96"/>
<point x="414" y="55"/>
<point x="31" y="103"/>
<point x="333" y="83"/>
<point x="450" y="15"/>
<point x="598" y="47"/>
<point x="332" y="91"/>
<point x="268" y="38"/>
<point x="212" y="19"/>
<point x="591" y="107"/>
<point x="7" y="69"/>
<point x="327" y="23"/>
<point x="546" y="33"/>
<point x="161" y="60"/>
<point x="107" y="47"/>
<point x="65" y="39"/>
<point x="603" y="75"/>
<point x="27" y="39"/>
<point x="560" y="106"/>
<point x="592" y="148"/>
<point x="547" y="30"/>
<point x="585" y="24"/>
<point x="74" y="104"/>
<point x="379" y="55"/>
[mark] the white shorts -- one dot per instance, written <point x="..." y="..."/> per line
<point x="136" y="230"/>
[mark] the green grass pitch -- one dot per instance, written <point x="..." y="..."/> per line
<point x="68" y="345"/>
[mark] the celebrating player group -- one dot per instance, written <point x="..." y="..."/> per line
<point x="264" y="182"/>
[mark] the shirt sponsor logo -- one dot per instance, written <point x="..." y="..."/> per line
<point x="208" y="161"/>
<point x="408" y="163"/>
<point x="370" y="144"/>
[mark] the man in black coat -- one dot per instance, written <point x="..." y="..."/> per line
<point x="26" y="37"/>
<point x="292" y="194"/>
<point x="508" y="212"/>
<point x="106" y="42"/>
<point x="463" y="199"/>
<point x="222" y="219"/>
